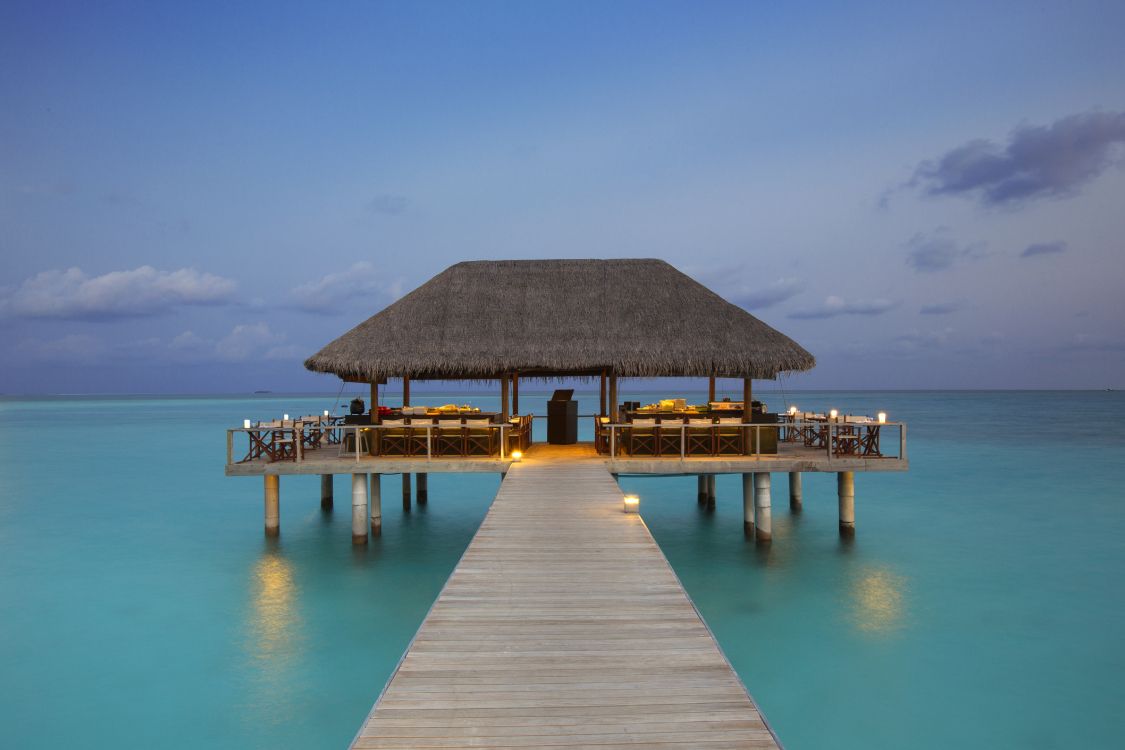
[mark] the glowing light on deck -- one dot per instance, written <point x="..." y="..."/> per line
<point x="632" y="504"/>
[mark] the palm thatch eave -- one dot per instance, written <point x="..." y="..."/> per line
<point x="633" y="318"/>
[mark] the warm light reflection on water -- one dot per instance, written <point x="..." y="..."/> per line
<point x="274" y="620"/>
<point x="274" y="634"/>
<point x="877" y="600"/>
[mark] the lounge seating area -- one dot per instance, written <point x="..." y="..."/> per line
<point x="842" y="434"/>
<point x="288" y="439"/>
<point x="403" y="432"/>
<point x="450" y="434"/>
<point x="672" y="427"/>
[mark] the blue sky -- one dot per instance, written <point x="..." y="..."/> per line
<point x="195" y="197"/>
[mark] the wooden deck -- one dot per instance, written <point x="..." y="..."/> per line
<point x="563" y="626"/>
<point x="790" y="457"/>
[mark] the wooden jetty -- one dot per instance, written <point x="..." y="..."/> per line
<point x="563" y="626"/>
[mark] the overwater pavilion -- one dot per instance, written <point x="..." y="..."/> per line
<point x="563" y="624"/>
<point x="507" y="321"/>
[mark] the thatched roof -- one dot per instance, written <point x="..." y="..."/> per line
<point x="637" y="318"/>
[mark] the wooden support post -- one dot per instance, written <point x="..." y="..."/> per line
<point x="504" y="413"/>
<point x="795" y="491"/>
<point x="406" y="390"/>
<point x="359" y="509"/>
<point x="603" y="412"/>
<point x="613" y="399"/>
<point x="747" y="399"/>
<point x="326" y="492"/>
<point x="845" y="490"/>
<point x="711" y="389"/>
<point x="748" y="504"/>
<point x="702" y="489"/>
<point x="762" y="520"/>
<point x="710" y="492"/>
<point x="374" y="398"/>
<point x="273" y="505"/>
<point x="515" y="394"/>
<point x="406" y="491"/>
<point x="376" y="505"/>
<point x="423" y="490"/>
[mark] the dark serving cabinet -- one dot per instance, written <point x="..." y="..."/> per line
<point x="562" y="418"/>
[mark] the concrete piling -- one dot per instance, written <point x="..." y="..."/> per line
<point x="406" y="491"/>
<point x="423" y="488"/>
<point x="795" y="491"/>
<point x="762" y="520"/>
<point x="326" y="492"/>
<point x="359" y="509"/>
<point x="845" y="490"/>
<point x="273" y="505"/>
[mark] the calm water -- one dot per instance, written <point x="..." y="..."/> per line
<point x="981" y="605"/>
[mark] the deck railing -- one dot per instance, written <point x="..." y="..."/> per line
<point x="288" y="442"/>
<point x="832" y="437"/>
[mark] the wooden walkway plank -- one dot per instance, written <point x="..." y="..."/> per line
<point x="563" y="626"/>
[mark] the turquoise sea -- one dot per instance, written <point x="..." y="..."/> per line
<point x="981" y="604"/>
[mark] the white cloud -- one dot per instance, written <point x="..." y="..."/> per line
<point x="768" y="296"/>
<point x="328" y="294"/>
<point x="1043" y="248"/>
<point x="189" y="341"/>
<point x="916" y="340"/>
<point x="937" y="251"/>
<point x="73" y="295"/>
<point x="834" y="306"/>
<point x="247" y="341"/>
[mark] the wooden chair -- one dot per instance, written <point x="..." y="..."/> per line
<point x="394" y="440"/>
<point x="313" y="434"/>
<point x="421" y="429"/>
<point x="283" y="440"/>
<point x="480" y="437"/>
<point x="845" y="438"/>
<point x="729" y="439"/>
<point x="643" y="438"/>
<point x="869" y="442"/>
<point x="518" y="436"/>
<point x="671" y="435"/>
<point x="525" y="431"/>
<point x="814" y="433"/>
<point x="700" y="437"/>
<point x="449" y="438"/>
<point x="259" y="443"/>
<point x="601" y="435"/>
